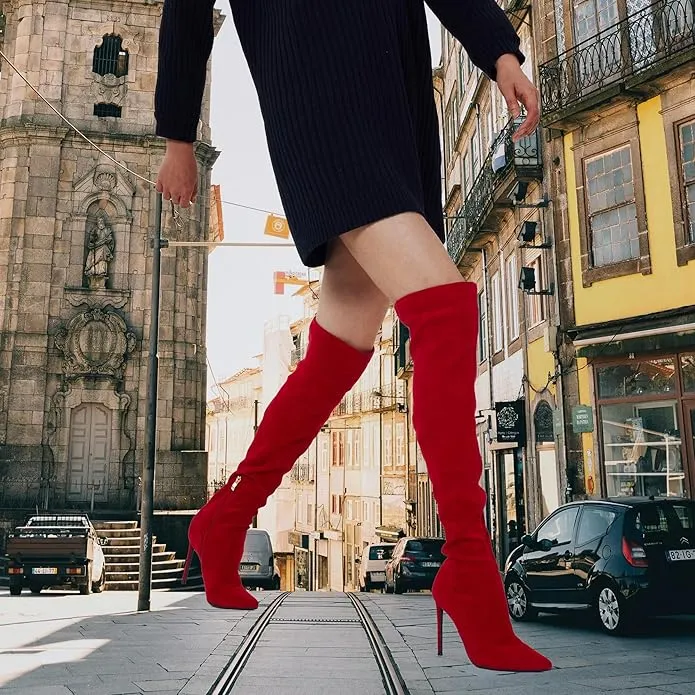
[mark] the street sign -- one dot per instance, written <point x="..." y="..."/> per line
<point x="582" y="419"/>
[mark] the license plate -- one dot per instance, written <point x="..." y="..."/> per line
<point x="430" y="564"/>
<point x="44" y="570"/>
<point x="378" y="576"/>
<point x="677" y="555"/>
<point x="248" y="567"/>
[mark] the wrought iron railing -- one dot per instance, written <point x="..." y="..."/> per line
<point x="638" y="45"/>
<point x="504" y="153"/>
<point x="297" y="355"/>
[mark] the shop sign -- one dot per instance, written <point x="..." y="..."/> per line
<point x="582" y="419"/>
<point x="510" y="419"/>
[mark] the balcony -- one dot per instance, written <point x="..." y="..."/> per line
<point x="297" y="355"/>
<point x="371" y="401"/>
<point x="507" y="163"/>
<point x="621" y="62"/>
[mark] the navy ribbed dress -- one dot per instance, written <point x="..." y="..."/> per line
<point x="345" y="89"/>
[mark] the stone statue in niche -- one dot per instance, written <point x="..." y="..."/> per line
<point x="100" y="250"/>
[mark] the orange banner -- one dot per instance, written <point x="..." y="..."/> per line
<point x="277" y="227"/>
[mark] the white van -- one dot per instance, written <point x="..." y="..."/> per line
<point x="373" y="566"/>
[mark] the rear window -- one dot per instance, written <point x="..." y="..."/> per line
<point x="380" y="552"/>
<point x="425" y="547"/>
<point x="660" y="520"/>
<point x="256" y="541"/>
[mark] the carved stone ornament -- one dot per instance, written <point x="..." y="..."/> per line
<point x="108" y="89"/>
<point x="95" y="343"/>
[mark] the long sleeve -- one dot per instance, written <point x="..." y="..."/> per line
<point x="483" y="29"/>
<point x="186" y="36"/>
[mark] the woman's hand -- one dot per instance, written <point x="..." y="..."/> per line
<point x="517" y="89"/>
<point x="178" y="176"/>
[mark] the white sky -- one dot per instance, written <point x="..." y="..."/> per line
<point x="240" y="285"/>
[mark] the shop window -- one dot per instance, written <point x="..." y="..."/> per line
<point x="647" y="377"/>
<point x="594" y="524"/>
<point x="642" y="449"/>
<point x="688" y="371"/>
<point x="559" y="528"/>
<point x="687" y="152"/>
<point x="612" y="210"/>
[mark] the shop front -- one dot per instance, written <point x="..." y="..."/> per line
<point x="646" y="424"/>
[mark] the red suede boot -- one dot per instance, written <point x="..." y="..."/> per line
<point x="290" y="423"/>
<point x="443" y="323"/>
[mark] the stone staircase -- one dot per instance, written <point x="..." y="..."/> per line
<point x="122" y="554"/>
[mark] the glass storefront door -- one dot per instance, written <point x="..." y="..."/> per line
<point x="511" y="509"/>
<point x="690" y="445"/>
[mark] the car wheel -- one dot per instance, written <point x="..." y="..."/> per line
<point x="15" y="590"/>
<point x="99" y="586"/>
<point x="35" y="589"/>
<point x="518" y="601"/>
<point x="397" y="586"/>
<point x="86" y="588"/>
<point x="388" y="589"/>
<point x="276" y="584"/>
<point x="611" y="611"/>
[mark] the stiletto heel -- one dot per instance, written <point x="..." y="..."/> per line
<point x="440" y="627"/>
<point x="187" y="564"/>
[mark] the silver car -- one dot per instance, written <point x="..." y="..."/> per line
<point x="257" y="567"/>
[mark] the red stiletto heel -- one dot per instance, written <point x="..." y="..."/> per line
<point x="443" y="323"/>
<point x="440" y="628"/>
<point x="187" y="564"/>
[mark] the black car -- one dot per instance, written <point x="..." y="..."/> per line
<point x="414" y="564"/>
<point x="623" y="558"/>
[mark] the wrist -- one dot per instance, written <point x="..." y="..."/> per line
<point x="508" y="59"/>
<point x="179" y="146"/>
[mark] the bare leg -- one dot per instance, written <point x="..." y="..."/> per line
<point x="408" y="263"/>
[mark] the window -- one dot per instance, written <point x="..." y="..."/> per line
<point x="336" y="504"/>
<point x="358" y="448"/>
<point x="559" y="528"/>
<point x="466" y="178"/>
<point x="462" y="76"/>
<point x="687" y="148"/>
<point x="349" y="454"/>
<point x="594" y="524"/>
<point x="450" y="129"/>
<point x="513" y="297"/>
<point x="338" y="442"/>
<point x="474" y="149"/>
<point x="110" y="58"/>
<point x="490" y="128"/>
<point x="482" y="331"/>
<point x="536" y="302"/>
<point x="388" y="445"/>
<point x="380" y="552"/>
<point x="107" y="110"/>
<point x="612" y="210"/>
<point x="497" y="318"/>
<point x="400" y="445"/>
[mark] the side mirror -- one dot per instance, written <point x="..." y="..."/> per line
<point x="528" y="541"/>
<point x="546" y="544"/>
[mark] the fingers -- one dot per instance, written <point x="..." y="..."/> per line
<point x="509" y="94"/>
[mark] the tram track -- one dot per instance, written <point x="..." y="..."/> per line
<point x="391" y="678"/>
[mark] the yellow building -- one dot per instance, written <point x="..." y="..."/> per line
<point x="617" y="100"/>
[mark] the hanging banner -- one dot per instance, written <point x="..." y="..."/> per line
<point x="277" y="227"/>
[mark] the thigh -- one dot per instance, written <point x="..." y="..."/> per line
<point x="401" y="255"/>
<point x="351" y="306"/>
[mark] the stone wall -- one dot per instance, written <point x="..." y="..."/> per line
<point x="75" y="263"/>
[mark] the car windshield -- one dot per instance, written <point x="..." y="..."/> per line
<point x="425" y="547"/>
<point x="380" y="552"/>
<point x="256" y="542"/>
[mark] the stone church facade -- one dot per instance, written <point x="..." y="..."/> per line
<point x="75" y="259"/>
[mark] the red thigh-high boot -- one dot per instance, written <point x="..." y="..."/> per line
<point x="443" y="324"/>
<point x="290" y="423"/>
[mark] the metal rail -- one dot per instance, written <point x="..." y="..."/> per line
<point x="393" y="681"/>
<point x="391" y="677"/>
<point x="230" y="675"/>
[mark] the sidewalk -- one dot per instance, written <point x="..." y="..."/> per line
<point x="67" y="644"/>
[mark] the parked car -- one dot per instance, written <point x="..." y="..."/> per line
<point x="257" y="568"/>
<point x="373" y="566"/>
<point x="414" y="564"/>
<point x="56" y="551"/>
<point x="622" y="558"/>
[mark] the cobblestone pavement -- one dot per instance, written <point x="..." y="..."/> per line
<point x="659" y="660"/>
<point x="66" y="644"/>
